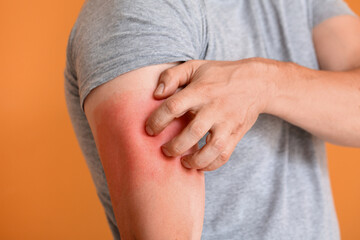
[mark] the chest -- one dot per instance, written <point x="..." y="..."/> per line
<point x="276" y="29"/>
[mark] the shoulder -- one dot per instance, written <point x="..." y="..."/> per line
<point x="112" y="37"/>
<point x="99" y="10"/>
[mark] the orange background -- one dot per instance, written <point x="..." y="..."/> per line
<point x="45" y="188"/>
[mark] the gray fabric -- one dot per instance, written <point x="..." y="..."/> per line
<point x="276" y="184"/>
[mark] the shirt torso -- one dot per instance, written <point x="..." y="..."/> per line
<point x="275" y="185"/>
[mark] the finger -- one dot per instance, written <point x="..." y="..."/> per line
<point x="173" y="107"/>
<point x="224" y="156"/>
<point x="236" y="136"/>
<point x="175" y="77"/>
<point x="191" y="134"/>
<point x="216" y="144"/>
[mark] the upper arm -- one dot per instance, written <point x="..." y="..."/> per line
<point x="337" y="43"/>
<point x="149" y="191"/>
<point x="110" y="40"/>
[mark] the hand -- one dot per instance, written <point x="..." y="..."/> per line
<point x="224" y="98"/>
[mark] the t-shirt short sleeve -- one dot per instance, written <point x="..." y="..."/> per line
<point x="324" y="9"/>
<point x="113" y="37"/>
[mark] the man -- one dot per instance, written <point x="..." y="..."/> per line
<point x="269" y="80"/>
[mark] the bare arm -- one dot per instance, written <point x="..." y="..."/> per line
<point x="326" y="103"/>
<point x="153" y="196"/>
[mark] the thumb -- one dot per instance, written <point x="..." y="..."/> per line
<point x="173" y="78"/>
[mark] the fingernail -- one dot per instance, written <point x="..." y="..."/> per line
<point x="149" y="131"/>
<point x="185" y="163"/>
<point x="160" y="89"/>
<point x="165" y="151"/>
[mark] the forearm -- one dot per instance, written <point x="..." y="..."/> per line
<point x="324" y="103"/>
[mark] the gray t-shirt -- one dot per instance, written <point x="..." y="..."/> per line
<point x="276" y="183"/>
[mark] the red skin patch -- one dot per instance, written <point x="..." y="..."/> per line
<point x="134" y="165"/>
<point x="120" y="131"/>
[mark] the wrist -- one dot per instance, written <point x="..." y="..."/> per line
<point x="287" y="88"/>
<point x="275" y="79"/>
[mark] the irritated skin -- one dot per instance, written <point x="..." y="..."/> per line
<point x="153" y="196"/>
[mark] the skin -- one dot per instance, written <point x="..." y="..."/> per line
<point x="153" y="196"/>
<point x="226" y="97"/>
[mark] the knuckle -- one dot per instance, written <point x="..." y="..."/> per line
<point x="223" y="157"/>
<point x="176" y="149"/>
<point x="242" y="119"/>
<point x="167" y="74"/>
<point x="237" y="128"/>
<point x="196" y="129"/>
<point x="172" y="105"/>
<point x="192" y="61"/>
<point x="197" y="163"/>
<point x="196" y="62"/>
<point x="219" y="144"/>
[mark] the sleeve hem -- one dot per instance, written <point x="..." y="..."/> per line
<point x="112" y="74"/>
<point x="324" y="11"/>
